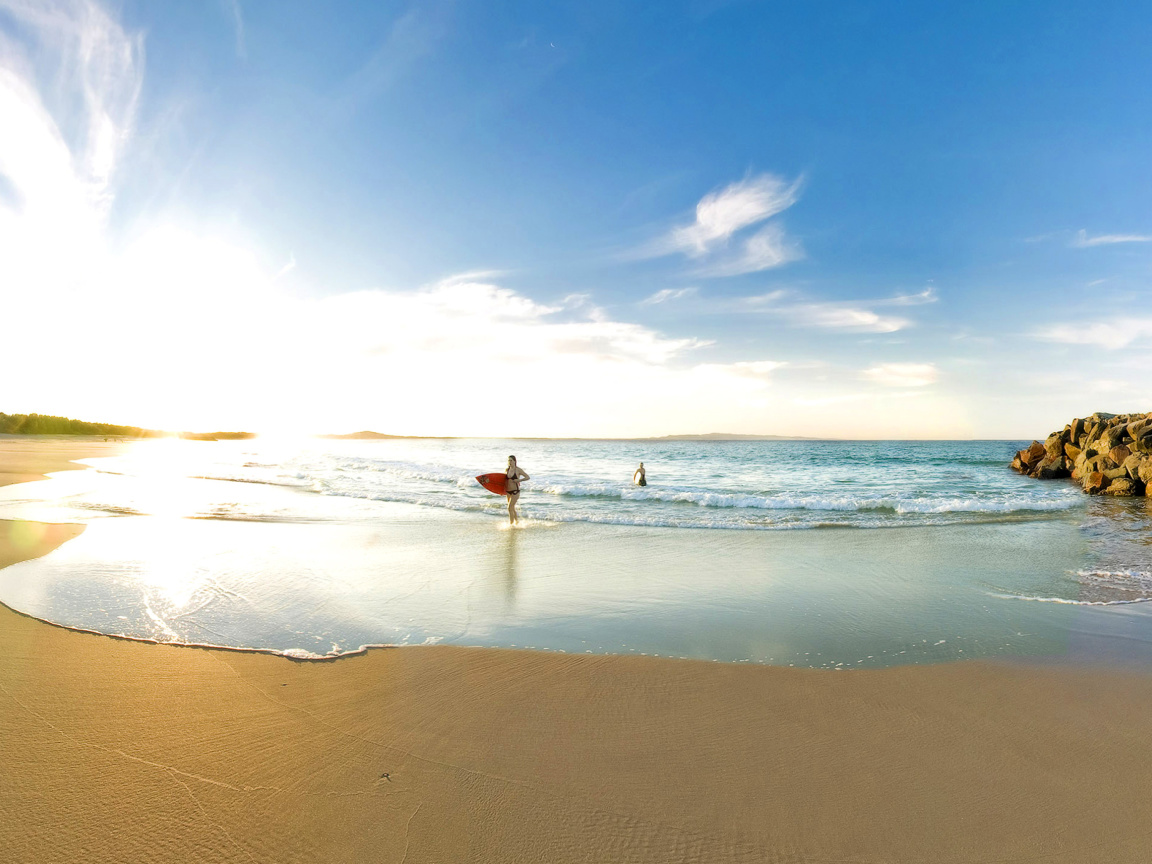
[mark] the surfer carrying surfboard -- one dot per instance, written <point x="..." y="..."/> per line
<point x="638" y="476"/>
<point x="512" y="487"/>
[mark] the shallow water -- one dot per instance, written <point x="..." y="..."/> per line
<point x="874" y="553"/>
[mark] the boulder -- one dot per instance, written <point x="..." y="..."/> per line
<point x="1101" y="444"/>
<point x="1030" y="457"/>
<point x="1144" y="472"/>
<point x="1072" y="451"/>
<point x="1122" y="487"/>
<point x="1099" y="463"/>
<point x="1094" y="483"/>
<point x="1119" y="453"/>
<point x="1132" y="465"/>
<point x="1050" y="469"/>
<point x="1139" y="428"/>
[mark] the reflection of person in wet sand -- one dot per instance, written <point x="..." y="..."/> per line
<point x="638" y="476"/>
<point x="512" y="489"/>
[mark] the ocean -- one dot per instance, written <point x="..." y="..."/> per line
<point x="805" y="553"/>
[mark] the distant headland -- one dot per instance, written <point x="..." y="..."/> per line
<point x="46" y="424"/>
<point x="367" y="435"/>
<point x="728" y="436"/>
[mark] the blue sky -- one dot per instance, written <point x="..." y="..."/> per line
<point x="862" y="219"/>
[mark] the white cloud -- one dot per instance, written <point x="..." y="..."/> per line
<point x="849" y="316"/>
<point x="901" y="374"/>
<point x="1083" y="240"/>
<point x="723" y="214"/>
<point x="841" y="316"/>
<point x="1108" y="333"/>
<point x="928" y="295"/>
<point x="853" y="317"/>
<point x="666" y="294"/>
<point x="61" y="185"/>
<point x="98" y="63"/>
<point x="769" y="247"/>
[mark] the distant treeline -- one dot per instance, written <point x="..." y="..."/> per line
<point x="45" y="424"/>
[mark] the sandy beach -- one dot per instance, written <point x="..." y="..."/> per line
<point x="26" y="458"/>
<point x="125" y="751"/>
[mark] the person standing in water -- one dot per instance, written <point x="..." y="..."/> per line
<point x="638" y="476"/>
<point x="512" y="488"/>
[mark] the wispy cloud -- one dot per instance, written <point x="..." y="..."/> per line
<point x="928" y="295"/>
<point x="767" y="248"/>
<point x="723" y="214"/>
<point x="412" y="37"/>
<point x="901" y="374"/>
<point x="839" y="316"/>
<point x="232" y="7"/>
<point x="666" y="294"/>
<point x="1109" y="333"/>
<point x="94" y="58"/>
<point x="849" y="316"/>
<point x="1083" y="240"/>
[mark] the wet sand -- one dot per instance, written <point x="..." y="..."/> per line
<point x="124" y="751"/>
<point x="25" y="458"/>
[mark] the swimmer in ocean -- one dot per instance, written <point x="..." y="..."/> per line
<point x="638" y="476"/>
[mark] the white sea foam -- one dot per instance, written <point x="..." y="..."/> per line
<point x="793" y="501"/>
<point x="1067" y="601"/>
<point x="1136" y="575"/>
<point x="707" y="500"/>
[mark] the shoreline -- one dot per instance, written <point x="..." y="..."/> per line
<point x="29" y="458"/>
<point x="125" y="749"/>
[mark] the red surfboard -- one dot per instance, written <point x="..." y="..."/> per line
<point x="494" y="483"/>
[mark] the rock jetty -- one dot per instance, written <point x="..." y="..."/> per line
<point x="1107" y="454"/>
